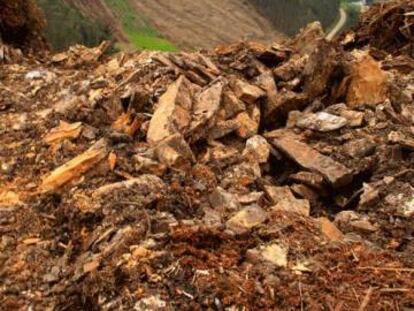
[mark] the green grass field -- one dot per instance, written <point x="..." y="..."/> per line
<point x="139" y="32"/>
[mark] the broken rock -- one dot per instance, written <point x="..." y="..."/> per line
<point x="205" y="108"/>
<point x="246" y="219"/>
<point x="311" y="179"/>
<point x="172" y="114"/>
<point x="336" y="173"/>
<point x="277" y="194"/>
<point x="370" y="196"/>
<point x="248" y="125"/>
<point x="275" y="254"/>
<point x="330" y="230"/>
<point x="320" y="121"/>
<point x="232" y="105"/>
<point x="401" y="139"/>
<point x="296" y="206"/>
<point x="360" y="148"/>
<point x="368" y="84"/>
<point x="222" y="200"/>
<point x="257" y="149"/>
<point x="174" y="151"/>
<point x="247" y="92"/>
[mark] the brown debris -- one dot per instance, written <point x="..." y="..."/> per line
<point x="387" y="26"/>
<point x="214" y="178"/>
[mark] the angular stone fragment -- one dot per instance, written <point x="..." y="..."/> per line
<point x="205" y="108"/>
<point x="223" y="128"/>
<point x="354" y="118"/>
<point x="320" y="121"/>
<point x="368" y="84"/>
<point x="250" y="198"/>
<point x="401" y="139"/>
<point x="306" y="41"/>
<point x="278" y="194"/>
<point x="267" y="83"/>
<point x="232" y="105"/>
<point x="286" y="101"/>
<point x="360" y="148"/>
<point x="305" y="192"/>
<point x="369" y="196"/>
<point x="311" y="179"/>
<point x="248" y="124"/>
<point x="173" y="112"/>
<point x="336" y="173"/>
<point x="146" y="165"/>
<point x="222" y="200"/>
<point x="320" y="67"/>
<point x="246" y="219"/>
<point x="275" y="254"/>
<point x="247" y="92"/>
<point x="257" y="149"/>
<point x="296" y="206"/>
<point x="291" y="69"/>
<point x="330" y="230"/>
<point x="174" y="151"/>
<point x="75" y="167"/>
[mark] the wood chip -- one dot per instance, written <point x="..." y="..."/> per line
<point x="75" y="167"/>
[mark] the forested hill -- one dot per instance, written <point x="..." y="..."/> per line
<point x="289" y="16"/>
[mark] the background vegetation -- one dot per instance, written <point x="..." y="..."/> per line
<point x="289" y="16"/>
<point x="137" y="29"/>
<point x="67" y="26"/>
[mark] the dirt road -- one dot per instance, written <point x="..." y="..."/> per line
<point x="338" y="27"/>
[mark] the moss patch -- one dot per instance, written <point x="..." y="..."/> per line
<point x="138" y="30"/>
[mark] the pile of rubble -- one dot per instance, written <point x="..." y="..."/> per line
<point x="387" y="26"/>
<point x="249" y="177"/>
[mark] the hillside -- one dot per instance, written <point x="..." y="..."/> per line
<point x="290" y="15"/>
<point x="181" y="24"/>
<point x="157" y="25"/>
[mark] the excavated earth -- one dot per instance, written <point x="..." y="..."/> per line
<point x="250" y="177"/>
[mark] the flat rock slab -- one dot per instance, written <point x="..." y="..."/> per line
<point x="335" y="173"/>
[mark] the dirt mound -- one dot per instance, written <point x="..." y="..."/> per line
<point x="387" y="26"/>
<point x="249" y="177"/>
<point x="22" y="24"/>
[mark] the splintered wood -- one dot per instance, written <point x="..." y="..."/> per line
<point x="62" y="132"/>
<point x="75" y="167"/>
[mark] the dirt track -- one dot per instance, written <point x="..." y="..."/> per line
<point x="206" y="23"/>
